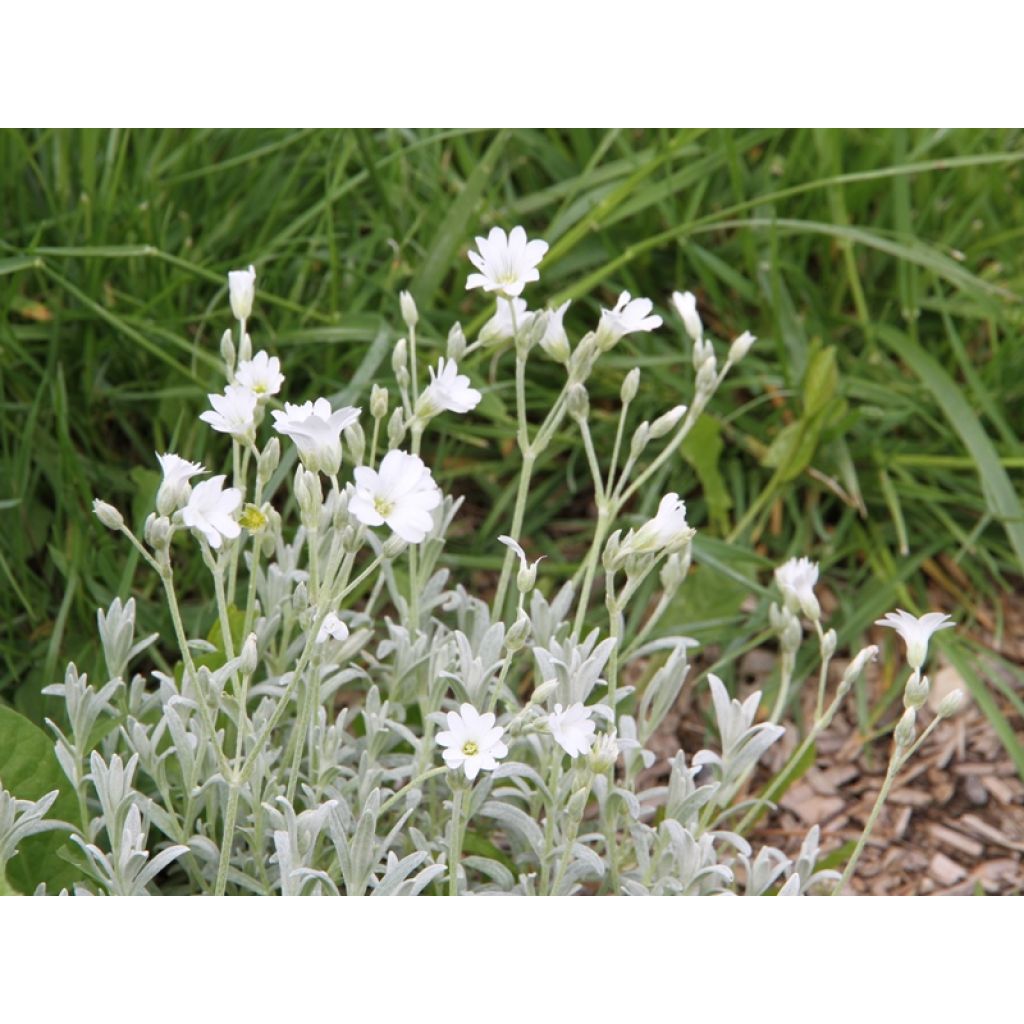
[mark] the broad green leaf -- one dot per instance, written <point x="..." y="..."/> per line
<point x="702" y="448"/>
<point x="820" y="382"/>
<point x="29" y="770"/>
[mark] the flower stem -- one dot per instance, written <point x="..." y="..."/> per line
<point x="228" y="839"/>
<point x="525" y="473"/>
<point x="455" y="841"/>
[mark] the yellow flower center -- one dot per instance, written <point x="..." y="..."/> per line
<point x="383" y="506"/>
<point x="470" y="748"/>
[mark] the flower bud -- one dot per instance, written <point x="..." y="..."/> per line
<point x="339" y="513"/>
<point x="241" y="290"/>
<point x="249" y="658"/>
<point x="108" y="515"/>
<point x="706" y="377"/>
<point x="356" y="441"/>
<point x="702" y="352"/>
<point x="545" y="690"/>
<point x="396" y="429"/>
<point x="351" y="540"/>
<point x="641" y="436"/>
<point x="674" y="571"/>
<point x="906" y="729"/>
<point x="410" y="314"/>
<point x="300" y="596"/>
<point x="245" y="348"/>
<point x="393" y="547"/>
<point x="916" y="692"/>
<point x="610" y="557"/>
<point x="227" y="353"/>
<point x="577" y="803"/>
<point x="577" y="402"/>
<point x="828" y="644"/>
<point x="792" y="633"/>
<point x="157" y="531"/>
<point x="456" y="343"/>
<point x="630" y="386"/>
<point x="951" y="704"/>
<point x="666" y="422"/>
<point x="854" y="669"/>
<point x="400" y="356"/>
<point x="518" y="633"/>
<point x="741" y="346"/>
<point x="268" y="461"/>
<point x="686" y="306"/>
<point x="581" y="362"/>
<point x="309" y="497"/>
<point x="378" y="402"/>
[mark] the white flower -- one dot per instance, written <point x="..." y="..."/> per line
<point x="555" y="341"/>
<point x="667" y="529"/>
<point x="572" y="729"/>
<point x="916" y="632"/>
<point x="604" y="753"/>
<point x="741" y="346"/>
<point x="796" y="579"/>
<point x="686" y="306"/>
<point x="241" y="289"/>
<point x="506" y="263"/>
<point x="332" y="628"/>
<point x="175" y="488"/>
<point x="261" y="375"/>
<point x="510" y="316"/>
<point x="209" y="510"/>
<point x="316" y="431"/>
<point x="472" y="741"/>
<point x="233" y="412"/>
<point x="448" y="390"/>
<point x="628" y="316"/>
<point x="402" y="494"/>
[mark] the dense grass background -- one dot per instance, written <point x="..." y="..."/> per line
<point x="876" y="425"/>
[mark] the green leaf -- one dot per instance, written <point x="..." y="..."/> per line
<point x="792" y="449"/>
<point x="702" y="448"/>
<point x="820" y="382"/>
<point x="29" y="769"/>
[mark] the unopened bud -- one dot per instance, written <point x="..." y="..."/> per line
<point x="951" y="704"/>
<point x="268" y="460"/>
<point x="706" y="377"/>
<point x="249" y="658"/>
<point x="241" y="291"/>
<point x="378" y="402"/>
<point x="339" y="511"/>
<point x="108" y="515"/>
<point x="410" y="314"/>
<point x="791" y="634"/>
<point x="854" y="669"/>
<point x="227" y="353"/>
<point x="309" y="497"/>
<point x="581" y="362"/>
<point x="741" y="346"/>
<point x="545" y="690"/>
<point x="641" y="436"/>
<point x="300" y="596"/>
<point x="245" y="348"/>
<point x="396" y="429"/>
<point x="674" y="571"/>
<point x="400" y="356"/>
<point x="702" y="352"/>
<point x="905" y="729"/>
<point x="577" y="402"/>
<point x="630" y="386"/>
<point x="828" y="644"/>
<point x="518" y="634"/>
<point x="610" y="557"/>
<point x="157" y="532"/>
<point x="667" y="421"/>
<point x="577" y="803"/>
<point x="916" y="692"/>
<point x="393" y="547"/>
<point x="351" y="540"/>
<point x="456" y="343"/>
<point x="356" y="441"/>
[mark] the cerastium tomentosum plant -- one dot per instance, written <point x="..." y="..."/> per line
<point x="365" y="724"/>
